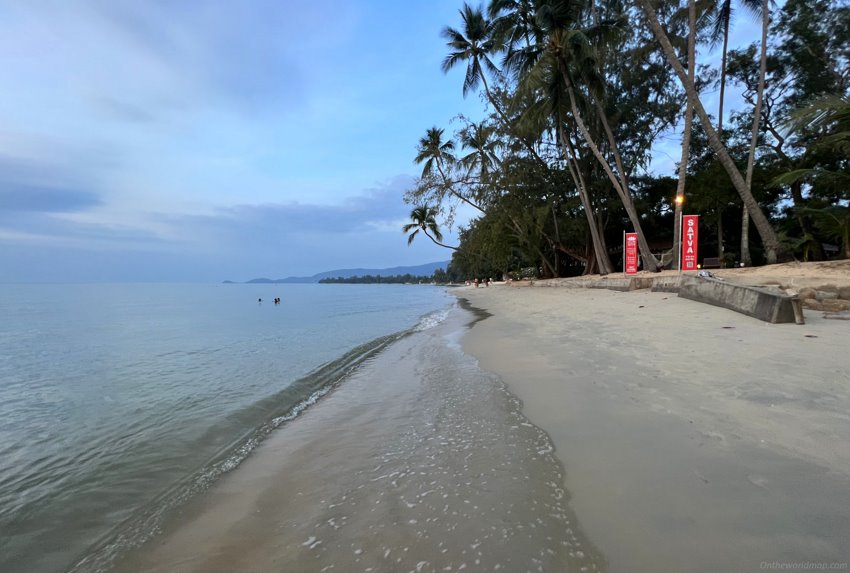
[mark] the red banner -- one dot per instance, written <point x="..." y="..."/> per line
<point x="690" y="239"/>
<point x="631" y="253"/>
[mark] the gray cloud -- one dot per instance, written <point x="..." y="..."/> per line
<point x="19" y="196"/>
<point x="359" y="214"/>
<point x="32" y="186"/>
<point x="239" y="242"/>
<point x="242" y="53"/>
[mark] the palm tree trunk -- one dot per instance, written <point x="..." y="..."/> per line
<point x="436" y="242"/>
<point x="686" y="136"/>
<point x="602" y="260"/>
<point x="745" y="216"/>
<point x="652" y="264"/>
<point x="723" y="76"/>
<point x="768" y="235"/>
<point x="506" y="122"/>
<point x="649" y="261"/>
<point x="453" y="192"/>
<point x="720" y="234"/>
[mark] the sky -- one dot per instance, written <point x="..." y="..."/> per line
<point x="202" y="141"/>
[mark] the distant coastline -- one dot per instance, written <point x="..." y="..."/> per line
<point x="427" y="270"/>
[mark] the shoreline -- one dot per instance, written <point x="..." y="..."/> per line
<point x="693" y="438"/>
<point x="419" y="461"/>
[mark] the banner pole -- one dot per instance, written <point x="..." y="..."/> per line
<point x="681" y="218"/>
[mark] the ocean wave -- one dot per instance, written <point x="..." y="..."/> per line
<point x="292" y="401"/>
<point x="432" y="319"/>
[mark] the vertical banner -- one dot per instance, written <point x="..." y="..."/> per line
<point x="690" y="239"/>
<point x="631" y="261"/>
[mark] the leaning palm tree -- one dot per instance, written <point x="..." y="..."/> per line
<point x="686" y="137"/>
<point x="424" y="219"/>
<point x="483" y="148"/>
<point x="565" y="53"/>
<point x="720" y="23"/>
<point x="769" y="237"/>
<point x="745" y="216"/>
<point x="436" y="154"/>
<point x="479" y="39"/>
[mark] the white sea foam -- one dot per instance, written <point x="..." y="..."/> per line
<point x="432" y="319"/>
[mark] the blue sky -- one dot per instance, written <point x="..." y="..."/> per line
<point x="201" y="141"/>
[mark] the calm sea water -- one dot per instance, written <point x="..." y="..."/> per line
<point x="119" y="402"/>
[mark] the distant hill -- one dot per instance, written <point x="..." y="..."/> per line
<point x="420" y="270"/>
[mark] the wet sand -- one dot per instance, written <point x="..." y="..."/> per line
<point x="419" y="462"/>
<point x="694" y="439"/>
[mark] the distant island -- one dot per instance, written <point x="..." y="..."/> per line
<point x="415" y="273"/>
<point x="379" y="279"/>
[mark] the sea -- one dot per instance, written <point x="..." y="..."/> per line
<point x="123" y="404"/>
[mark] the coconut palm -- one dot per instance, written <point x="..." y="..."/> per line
<point x="424" y="219"/>
<point x="474" y="45"/>
<point x="437" y="155"/>
<point x="769" y="237"/>
<point x="435" y="152"/>
<point x="565" y="54"/>
<point x="686" y="136"/>
<point x="483" y="148"/>
<point x="720" y="25"/>
<point x="513" y="21"/>
<point x="745" y="216"/>
<point x="829" y="116"/>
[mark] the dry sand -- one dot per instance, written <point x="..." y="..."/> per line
<point x="693" y="438"/>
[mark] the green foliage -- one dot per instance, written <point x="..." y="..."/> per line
<point x="529" y="171"/>
<point x="378" y="279"/>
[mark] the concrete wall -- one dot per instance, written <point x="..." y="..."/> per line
<point x="765" y="304"/>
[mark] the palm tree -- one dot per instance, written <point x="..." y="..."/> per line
<point x="768" y="235"/>
<point x="721" y="23"/>
<point x="435" y="152"/>
<point x="483" y="155"/>
<point x="686" y="136"/>
<point x="745" y="215"/>
<point x="513" y="21"/>
<point x="565" y="53"/>
<point x="424" y="219"/>
<point x="474" y="45"/>
<point x="829" y="116"/>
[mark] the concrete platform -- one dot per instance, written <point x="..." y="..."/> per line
<point x="767" y="304"/>
<point x="666" y="284"/>
<point x="624" y="284"/>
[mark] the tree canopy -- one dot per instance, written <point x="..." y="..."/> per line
<point x="581" y="95"/>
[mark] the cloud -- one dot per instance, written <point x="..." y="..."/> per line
<point x="238" y="242"/>
<point x="31" y="186"/>
<point x="253" y="56"/>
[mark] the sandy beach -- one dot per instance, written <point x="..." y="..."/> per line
<point x="418" y="462"/>
<point x="549" y="429"/>
<point x="693" y="438"/>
